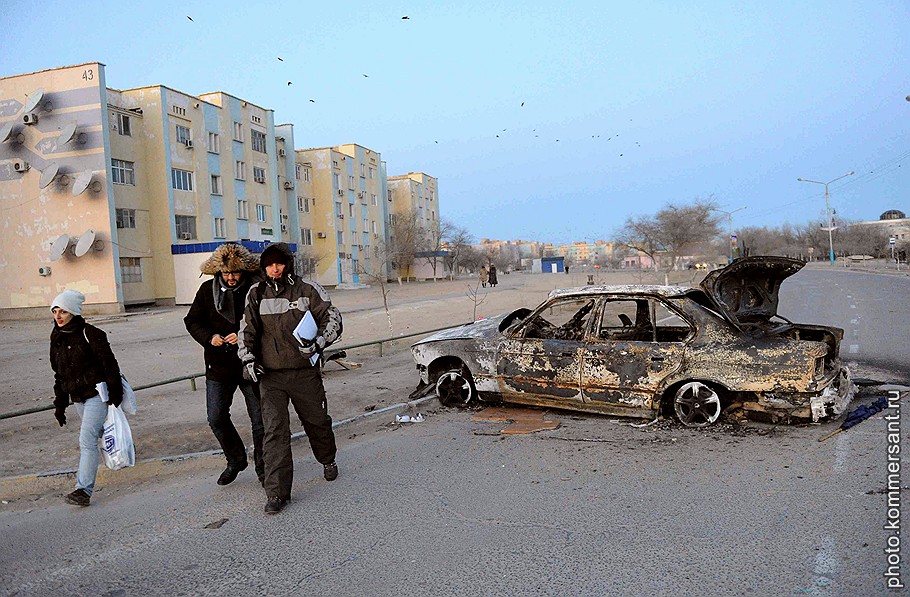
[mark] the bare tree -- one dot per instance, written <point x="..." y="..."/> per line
<point x="404" y="241"/>
<point x="474" y="295"/>
<point x="431" y="244"/>
<point x="375" y="270"/>
<point x="457" y="239"/>
<point x="305" y="262"/>
<point x="674" y="230"/>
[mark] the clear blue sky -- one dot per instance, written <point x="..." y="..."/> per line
<point x="651" y="102"/>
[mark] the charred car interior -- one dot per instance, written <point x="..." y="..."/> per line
<point x="641" y="350"/>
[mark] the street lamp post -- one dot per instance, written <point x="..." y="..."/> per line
<point x="830" y="228"/>
<point x="730" y="223"/>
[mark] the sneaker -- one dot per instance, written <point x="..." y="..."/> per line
<point x="330" y="471"/>
<point x="230" y="473"/>
<point x="274" y="505"/>
<point x="78" y="498"/>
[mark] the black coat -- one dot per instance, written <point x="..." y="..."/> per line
<point x="203" y="321"/>
<point x="80" y="364"/>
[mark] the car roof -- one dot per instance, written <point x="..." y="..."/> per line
<point x="670" y="291"/>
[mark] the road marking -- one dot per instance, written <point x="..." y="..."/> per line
<point x="854" y="348"/>
<point x="841" y="452"/>
<point x="854" y="321"/>
<point x="853" y="306"/>
<point x="826" y="566"/>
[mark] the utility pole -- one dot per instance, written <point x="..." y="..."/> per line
<point x="730" y="223"/>
<point x="830" y="228"/>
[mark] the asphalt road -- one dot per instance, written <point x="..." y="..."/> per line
<point x="449" y="506"/>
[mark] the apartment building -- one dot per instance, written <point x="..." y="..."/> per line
<point x="416" y="195"/>
<point x="345" y="195"/>
<point x="171" y="176"/>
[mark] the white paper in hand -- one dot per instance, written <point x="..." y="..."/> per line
<point x="305" y="332"/>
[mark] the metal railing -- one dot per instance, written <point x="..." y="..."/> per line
<point x="192" y="377"/>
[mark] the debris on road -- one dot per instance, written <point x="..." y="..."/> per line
<point x="216" y="525"/>
<point x="860" y="414"/>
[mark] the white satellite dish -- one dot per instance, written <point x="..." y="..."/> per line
<point x="85" y="242"/>
<point x="48" y="175"/>
<point x="68" y="133"/>
<point x="34" y="99"/>
<point x="8" y="133"/>
<point x="59" y="246"/>
<point x="81" y="183"/>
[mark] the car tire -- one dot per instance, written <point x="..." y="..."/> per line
<point x="696" y="404"/>
<point x="455" y="387"/>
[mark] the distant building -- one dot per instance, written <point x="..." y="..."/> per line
<point x="416" y="193"/>
<point x="894" y="222"/>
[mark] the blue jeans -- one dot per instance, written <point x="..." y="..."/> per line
<point x="93" y="412"/>
<point x="219" y="395"/>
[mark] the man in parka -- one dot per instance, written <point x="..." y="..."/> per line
<point x="213" y="321"/>
<point x="286" y="368"/>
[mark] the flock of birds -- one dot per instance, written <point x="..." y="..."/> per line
<point x="407" y="18"/>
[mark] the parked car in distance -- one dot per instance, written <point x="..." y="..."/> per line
<point x="637" y="350"/>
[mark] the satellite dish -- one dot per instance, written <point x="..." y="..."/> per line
<point x="34" y="99"/>
<point x="82" y="182"/>
<point x="85" y="242"/>
<point x="8" y="133"/>
<point x="68" y="133"/>
<point x="48" y="175"/>
<point x="59" y="246"/>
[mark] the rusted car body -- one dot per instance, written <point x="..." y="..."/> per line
<point x="634" y="350"/>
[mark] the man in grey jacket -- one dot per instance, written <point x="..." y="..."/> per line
<point x="282" y="364"/>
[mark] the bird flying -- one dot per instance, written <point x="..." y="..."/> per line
<point x="190" y="18"/>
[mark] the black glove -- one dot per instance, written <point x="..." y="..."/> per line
<point x="60" y="415"/>
<point x="315" y="345"/>
<point x="252" y="371"/>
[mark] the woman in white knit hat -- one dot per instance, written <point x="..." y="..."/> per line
<point x="82" y="358"/>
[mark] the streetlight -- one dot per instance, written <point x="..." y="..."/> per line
<point x="828" y="211"/>
<point x="730" y="222"/>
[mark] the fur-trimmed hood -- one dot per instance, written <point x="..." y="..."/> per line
<point x="230" y="257"/>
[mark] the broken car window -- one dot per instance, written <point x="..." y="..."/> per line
<point x="562" y="320"/>
<point x="670" y="326"/>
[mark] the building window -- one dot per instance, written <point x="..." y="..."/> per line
<point x="373" y="199"/>
<point x="126" y="218"/>
<point x="123" y="125"/>
<point x="216" y="184"/>
<point x="297" y="170"/>
<point x="363" y="170"/>
<point x="130" y="269"/>
<point x="243" y="212"/>
<point x="334" y="163"/>
<point x="355" y="266"/>
<point x="238" y="132"/>
<point x="257" y="141"/>
<point x="240" y="170"/>
<point x="371" y="171"/>
<point x="182" y="180"/>
<point x="351" y="182"/>
<point x="122" y="172"/>
<point x="373" y="226"/>
<point x="256" y="119"/>
<point x="336" y="180"/>
<point x="260" y="212"/>
<point x="306" y="236"/>
<point x="303" y="204"/>
<point x="339" y="237"/>
<point x="183" y="134"/>
<point x="214" y="142"/>
<point x="351" y="212"/>
<point x="258" y="174"/>
<point x="306" y="175"/>
<point x="178" y="110"/>
<point x="186" y="227"/>
<point x="219" y="228"/>
<point x="366" y="237"/>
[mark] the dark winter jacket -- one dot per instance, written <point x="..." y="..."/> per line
<point x="273" y="310"/>
<point x="80" y="364"/>
<point x="203" y="321"/>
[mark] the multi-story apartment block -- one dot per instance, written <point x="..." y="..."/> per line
<point x="346" y="193"/>
<point x="171" y="176"/>
<point x="416" y="195"/>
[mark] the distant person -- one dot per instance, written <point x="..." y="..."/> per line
<point x="283" y="365"/>
<point x="484" y="276"/>
<point x="81" y="358"/>
<point x="567" y="270"/>
<point x="492" y="274"/>
<point x="213" y="321"/>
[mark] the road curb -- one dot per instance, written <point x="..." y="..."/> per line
<point x="104" y="473"/>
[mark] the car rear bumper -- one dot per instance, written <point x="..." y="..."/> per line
<point x="831" y="401"/>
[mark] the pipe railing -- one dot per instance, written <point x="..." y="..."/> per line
<point x="192" y="377"/>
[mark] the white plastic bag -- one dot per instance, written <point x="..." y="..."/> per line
<point x="129" y="396"/>
<point x="117" y="441"/>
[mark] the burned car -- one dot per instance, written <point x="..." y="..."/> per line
<point x="638" y="350"/>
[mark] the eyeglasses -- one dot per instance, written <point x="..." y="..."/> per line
<point x="231" y="273"/>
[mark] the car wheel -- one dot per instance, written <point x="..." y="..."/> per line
<point x="454" y="387"/>
<point x="696" y="404"/>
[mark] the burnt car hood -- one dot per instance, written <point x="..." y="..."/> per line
<point x="746" y="292"/>
<point x="483" y="328"/>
